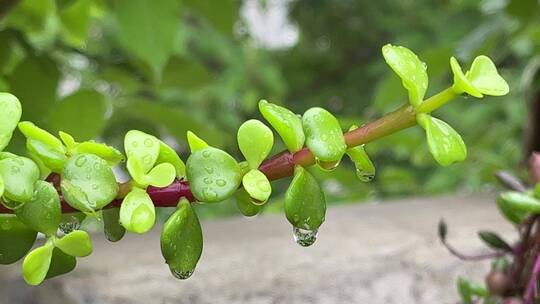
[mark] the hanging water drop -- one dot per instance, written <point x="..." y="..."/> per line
<point x="327" y="166"/>
<point x="304" y="237"/>
<point x="365" y="176"/>
<point x="181" y="275"/>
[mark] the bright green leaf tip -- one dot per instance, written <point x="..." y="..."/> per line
<point x="36" y="264"/>
<point x="482" y="79"/>
<point x="195" y="142"/>
<point x="410" y="69"/>
<point x="445" y="144"/>
<point x="76" y="243"/>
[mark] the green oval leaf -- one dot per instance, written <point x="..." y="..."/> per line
<point x="88" y="183"/>
<point x="257" y="185"/>
<point x="182" y="240"/>
<point x="485" y="78"/>
<point x="507" y="209"/>
<point x="461" y="83"/>
<point x="195" y="142"/>
<point x="245" y="203"/>
<point x="143" y="147"/>
<point x="161" y="175"/>
<point x="36" y="264"/>
<point x="168" y="155"/>
<point x="44" y="145"/>
<point x="43" y="212"/>
<point x="137" y="212"/>
<point x="108" y="153"/>
<point x="494" y="241"/>
<point x="76" y="243"/>
<point x="19" y="175"/>
<point x="286" y="123"/>
<point x="305" y="204"/>
<point x="255" y="140"/>
<point x="114" y="232"/>
<point x="9" y="117"/>
<point x="213" y="175"/>
<point x="410" y="69"/>
<point x="61" y="263"/>
<point x="324" y="136"/>
<point x="444" y="143"/>
<point x="16" y="239"/>
<point x="520" y="202"/>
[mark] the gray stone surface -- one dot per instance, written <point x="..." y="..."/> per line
<point x="377" y="253"/>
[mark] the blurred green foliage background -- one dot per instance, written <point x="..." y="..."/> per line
<point x="99" y="68"/>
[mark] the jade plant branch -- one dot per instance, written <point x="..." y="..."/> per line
<point x="282" y="164"/>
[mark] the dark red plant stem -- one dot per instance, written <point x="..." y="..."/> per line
<point x="473" y="258"/>
<point x="530" y="292"/>
<point x="279" y="166"/>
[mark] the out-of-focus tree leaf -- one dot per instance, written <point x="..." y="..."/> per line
<point x="177" y="121"/>
<point x="75" y="20"/>
<point x="34" y="82"/>
<point x="221" y="14"/>
<point x="182" y="73"/>
<point x="36" y="19"/>
<point x="148" y="29"/>
<point x="82" y="114"/>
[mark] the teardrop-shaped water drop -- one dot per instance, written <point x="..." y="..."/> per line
<point x="327" y="166"/>
<point x="365" y="176"/>
<point x="304" y="237"/>
<point x="181" y="275"/>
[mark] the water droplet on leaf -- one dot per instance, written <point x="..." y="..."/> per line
<point x="303" y="237"/>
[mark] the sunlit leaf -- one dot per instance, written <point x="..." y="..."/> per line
<point x="195" y="142"/>
<point x="36" y="264"/>
<point x="88" y="183"/>
<point x="76" y="243"/>
<point x="213" y="175"/>
<point x="168" y="155"/>
<point x="286" y="123"/>
<point x="44" y="145"/>
<point x="137" y="213"/>
<point x="19" y="175"/>
<point x="9" y="117"/>
<point x="324" y="136"/>
<point x="410" y="69"/>
<point x="255" y="140"/>
<point x="485" y="77"/>
<point x="143" y="147"/>
<point x="445" y="144"/>
<point x="108" y="153"/>
<point x="257" y="185"/>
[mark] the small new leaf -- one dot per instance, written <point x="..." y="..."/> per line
<point x="36" y="264"/>
<point x="445" y="144"/>
<point x="286" y="123"/>
<point x="494" y="241"/>
<point x="76" y="243"/>
<point x="195" y="142"/>
<point x="137" y="212"/>
<point x="255" y="140"/>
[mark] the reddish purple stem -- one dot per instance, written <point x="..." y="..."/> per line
<point x="530" y="292"/>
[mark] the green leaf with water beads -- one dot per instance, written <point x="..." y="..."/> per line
<point x="43" y="212"/>
<point x="182" y="240"/>
<point x="507" y="209"/>
<point x="365" y="170"/>
<point x="16" y="239"/>
<point x="142" y="147"/>
<point x="255" y="140"/>
<point x="286" y="123"/>
<point x="168" y="155"/>
<point x="76" y="243"/>
<point x="305" y="204"/>
<point x="445" y="144"/>
<point x="324" y="136"/>
<point x="9" y="117"/>
<point x="410" y="69"/>
<point x="213" y="175"/>
<point x="36" y="264"/>
<point x="245" y="203"/>
<point x="485" y="77"/>
<point x="137" y="212"/>
<point x="195" y="142"/>
<point x="44" y="145"/>
<point x="88" y="183"/>
<point x="111" y="225"/>
<point x="257" y="185"/>
<point x="61" y="263"/>
<point x="108" y="153"/>
<point x="19" y="175"/>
